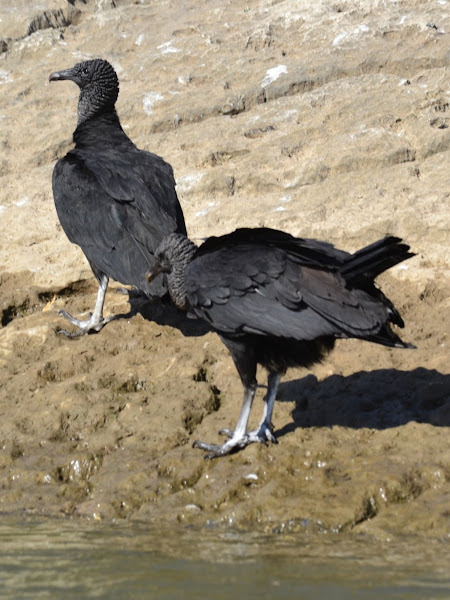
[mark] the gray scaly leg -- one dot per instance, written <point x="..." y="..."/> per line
<point x="264" y="432"/>
<point x="240" y="438"/>
<point x="96" y="320"/>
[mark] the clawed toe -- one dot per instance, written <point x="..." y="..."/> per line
<point x="71" y="334"/>
<point x="68" y="316"/>
<point x="217" y="450"/>
<point x="262" y="436"/>
<point x="226" y="432"/>
<point x="132" y="293"/>
<point x="123" y="290"/>
<point x="239" y="437"/>
<point x="91" y="325"/>
<point x="214" y="450"/>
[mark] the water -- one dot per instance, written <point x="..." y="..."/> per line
<point x="82" y="560"/>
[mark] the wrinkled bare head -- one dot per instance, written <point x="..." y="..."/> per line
<point x="171" y="257"/>
<point x="98" y="83"/>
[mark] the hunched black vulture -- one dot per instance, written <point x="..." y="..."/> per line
<point x="115" y="201"/>
<point x="279" y="301"/>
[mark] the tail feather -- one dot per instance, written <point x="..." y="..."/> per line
<point x="369" y="262"/>
<point x="387" y="337"/>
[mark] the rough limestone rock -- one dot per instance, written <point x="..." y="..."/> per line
<point x="325" y="119"/>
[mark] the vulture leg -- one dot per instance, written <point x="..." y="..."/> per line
<point x="265" y="428"/>
<point x="238" y="437"/>
<point x="264" y="433"/>
<point x="245" y="361"/>
<point x="96" y="320"/>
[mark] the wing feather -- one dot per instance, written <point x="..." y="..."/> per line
<point x="264" y="290"/>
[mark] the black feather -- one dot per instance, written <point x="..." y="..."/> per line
<point x="281" y="302"/>
<point x="115" y="201"/>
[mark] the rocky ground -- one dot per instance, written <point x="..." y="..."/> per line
<point x="326" y="119"/>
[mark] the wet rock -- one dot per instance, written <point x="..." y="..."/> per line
<point x="328" y="121"/>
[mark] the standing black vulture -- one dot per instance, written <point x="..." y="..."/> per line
<point x="281" y="302"/>
<point x="115" y="201"/>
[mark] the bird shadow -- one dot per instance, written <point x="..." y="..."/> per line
<point x="163" y="312"/>
<point x="159" y="310"/>
<point x="379" y="399"/>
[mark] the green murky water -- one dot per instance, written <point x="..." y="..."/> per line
<point x="82" y="560"/>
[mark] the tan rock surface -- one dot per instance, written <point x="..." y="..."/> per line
<point x="328" y="120"/>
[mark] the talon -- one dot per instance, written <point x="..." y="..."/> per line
<point x="264" y="434"/>
<point x="213" y="449"/>
<point x="226" y="432"/>
<point x="122" y="290"/>
<point x="70" y="334"/>
<point x="69" y="317"/>
<point x="216" y="450"/>
<point x="233" y="444"/>
<point x="91" y="325"/>
<point x="239" y="437"/>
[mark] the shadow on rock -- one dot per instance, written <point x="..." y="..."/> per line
<point x="163" y="312"/>
<point x="376" y="399"/>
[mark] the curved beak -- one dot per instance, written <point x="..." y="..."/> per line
<point x="151" y="274"/>
<point x="155" y="270"/>
<point x="63" y="75"/>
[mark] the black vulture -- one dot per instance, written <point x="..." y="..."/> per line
<point x="279" y="301"/>
<point x="115" y="201"/>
